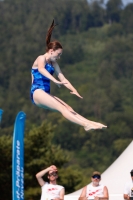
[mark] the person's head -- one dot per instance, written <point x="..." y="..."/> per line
<point x="53" y="48"/>
<point x="52" y="175"/>
<point x="131" y="172"/>
<point x="95" y="178"/>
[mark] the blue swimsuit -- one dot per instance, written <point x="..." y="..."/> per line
<point x="40" y="81"/>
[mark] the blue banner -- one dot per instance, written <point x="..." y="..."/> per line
<point x="18" y="157"/>
<point x="1" y="112"/>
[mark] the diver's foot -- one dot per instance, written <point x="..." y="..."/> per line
<point x="94" y="126"/>
<point x="88" y="128"/>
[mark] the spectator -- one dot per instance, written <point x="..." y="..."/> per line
<point x="50" y="191"/>
<point x="95" y="190"/>
<point x="128" y="190"/>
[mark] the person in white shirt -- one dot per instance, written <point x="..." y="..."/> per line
<point x="50" y="191"/>
<point x="94" y="190"/>
<point x="128" y="190"/>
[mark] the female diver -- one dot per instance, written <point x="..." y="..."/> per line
<point x="42" y="70"/>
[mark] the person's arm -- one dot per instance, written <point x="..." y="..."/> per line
<point x="40" y="174"/>
<point x="126" y="191"/>
<point x="83" y="194"/>
<point x="105" y="194"/>
<point x="126" y="196"/>
<point x="62" y="193"/>
<point x="63" y="79"/>
<point x="41" y="62"/>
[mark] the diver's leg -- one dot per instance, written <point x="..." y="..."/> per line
<point x="42" y="99"/>
<point x="89" y="122"/>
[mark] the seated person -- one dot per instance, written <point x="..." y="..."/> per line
<point x="94" y="191"/>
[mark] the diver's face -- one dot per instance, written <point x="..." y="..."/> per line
<point x="55" y="55"/>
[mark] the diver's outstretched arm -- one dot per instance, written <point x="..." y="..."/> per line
<point x="63" y="79"/>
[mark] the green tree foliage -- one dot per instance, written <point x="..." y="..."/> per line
<point x="127" y="18"/>
<point x="114" y="8"/>
<point x="5" y="167"/>
<point x="97" y="14"/>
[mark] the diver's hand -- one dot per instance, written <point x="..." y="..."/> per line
<point x="59" y="83"/>
<point x="77" y="94"/>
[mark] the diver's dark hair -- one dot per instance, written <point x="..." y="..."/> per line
<point x="52" y="45"/>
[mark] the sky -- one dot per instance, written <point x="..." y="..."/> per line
<point x="125" y="2"/>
